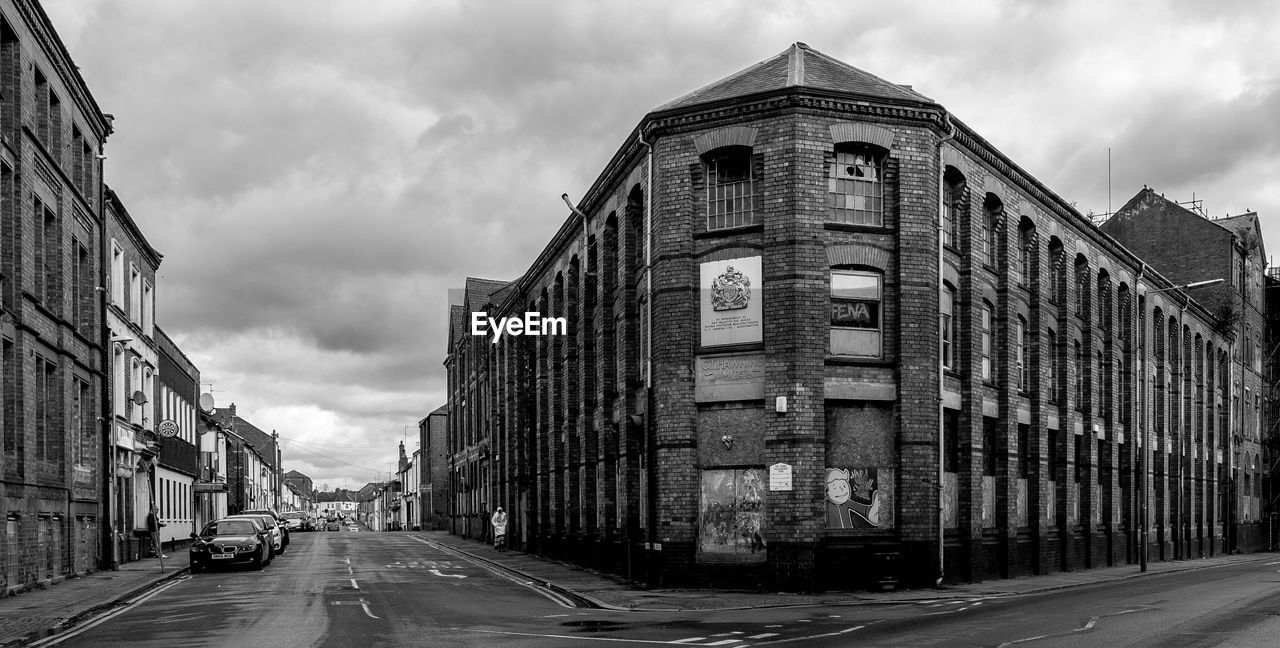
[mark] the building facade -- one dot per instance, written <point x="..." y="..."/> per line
<point x="178" y="465"/>
<point x="813" y="319"/>
<point x="434" y="474"/>
<point x="131" y="265"/>
<point x="51" y="448"/>
<point x="253" y="463"/>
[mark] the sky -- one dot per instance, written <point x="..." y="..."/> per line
<point x="319" y="174"/>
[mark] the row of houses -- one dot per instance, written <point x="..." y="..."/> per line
<point x="813" y="319"/>
<point x="102" y="421"/>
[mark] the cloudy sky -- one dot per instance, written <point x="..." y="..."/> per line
<point x="318" y="174"/>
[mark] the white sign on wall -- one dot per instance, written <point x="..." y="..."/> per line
<point x="731" y="293"/>
<point x="780" y="477"/>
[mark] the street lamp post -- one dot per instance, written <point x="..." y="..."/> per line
<point x="1143" y="402"/>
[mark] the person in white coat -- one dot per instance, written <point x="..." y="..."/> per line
<point x="499" y="522"/>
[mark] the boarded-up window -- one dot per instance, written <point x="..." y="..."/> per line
<point x="731" y="513"/>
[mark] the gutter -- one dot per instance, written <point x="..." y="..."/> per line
<point x="942" y="522"/>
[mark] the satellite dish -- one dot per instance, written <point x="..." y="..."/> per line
<point x="206" y="402"/>
<point x="140" y="397"/>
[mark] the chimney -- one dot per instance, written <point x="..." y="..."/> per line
<point x="404" y="461"/>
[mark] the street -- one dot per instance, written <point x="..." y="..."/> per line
<point x="344" y="589"/>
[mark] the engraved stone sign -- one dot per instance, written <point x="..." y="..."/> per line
<point x="722" y="378"/>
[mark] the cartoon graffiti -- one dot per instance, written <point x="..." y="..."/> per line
<point x="856" y="499"/>
<point x="732" y="516"/>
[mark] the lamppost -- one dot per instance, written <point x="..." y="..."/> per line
<point x="1145" y="468"/>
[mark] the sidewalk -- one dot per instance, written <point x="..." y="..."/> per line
<point x="611" y="591"/>
<point x="40" y="612"/>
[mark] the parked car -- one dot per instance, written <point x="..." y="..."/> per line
<point x="272" y="526"/>
<point x="229" y="541"/>
<point x="333" y="526"/>
<point x="284" y="531"/>
<point x="295" y="521"/>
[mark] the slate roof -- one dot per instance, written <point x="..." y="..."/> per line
<point x="478" y="292"/>
<point x="798" y="66"/>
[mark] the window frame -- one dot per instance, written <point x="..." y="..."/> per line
<point x="850" y="156"/>
<point x="724" y="192"/>
<point x="879" y="327"/>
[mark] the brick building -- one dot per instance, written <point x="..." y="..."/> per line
<point x="131" y="264"/>
<point x="51" y="453"/>
<point x="434" y="487"/>
<point x="178" y="465"/>
<point x="813" y="318"/>
<point x="253" y="463"/>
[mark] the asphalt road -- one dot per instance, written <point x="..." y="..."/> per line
<point x="361" y="590"/>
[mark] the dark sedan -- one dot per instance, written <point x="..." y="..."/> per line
<point x="229" y="541"/>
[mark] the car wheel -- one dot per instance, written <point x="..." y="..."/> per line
<point x="196" y="568"/>
<point x="259" y="561"/>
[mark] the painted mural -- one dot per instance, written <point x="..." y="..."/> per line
<point x="859" y="498"/>
<point x="731" y="519"/>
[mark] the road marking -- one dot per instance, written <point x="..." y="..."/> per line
<point x="763" y="635"/>
<point x="724" y="642"/>
<point x="773" y="626"/>
<point x="365" y="605"/>
<point x="688" y="640"/>
<point x="727" y="634"/>
<point x="1087" y="626"/>
<point x="353" y="584"/>
<point x="559" y="600"/>
<point x="350" y="571"/>
<point x="57" y="639"/>
<point x="581" y="638"/>
<point x="1018" y="641"/>
<point x="437" y="573"/>
<point x="817" y="636"/>
<point x="1272" y="563"/>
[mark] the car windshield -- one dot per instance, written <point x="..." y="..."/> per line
<point x="229" y="528"/>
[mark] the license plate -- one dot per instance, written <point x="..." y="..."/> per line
<point x="221" y="556"/>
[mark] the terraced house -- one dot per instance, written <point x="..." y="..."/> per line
<point x="814" y="319"/>
<point x="51" y="318"/>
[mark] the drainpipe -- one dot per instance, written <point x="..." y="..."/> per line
<point x="108" y="521"/>
<point x="942" y="522"/>
<point x="1140" y="315"/>
<point x="650" y="511"/>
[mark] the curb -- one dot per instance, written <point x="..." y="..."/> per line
<point x="593" y="602"/>
<point x="77" y="618"/>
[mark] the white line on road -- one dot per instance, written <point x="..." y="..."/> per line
<point x="53" y="641"/>
<point x="763" y="635"/>
<point x="579" y="638"/>
<point x="724" y="642"/>
<point x="1087" y="626"/>
<point x="353" y="584"/>
<point x="688" y="640"/>
<point x="1272" y="563"/>
<point x="817" y="636"/>
<point x="1018" y="641"/>
<point x="365" y="605"/>
<point x="437" y="573"/>
<point x="559" y="600"/>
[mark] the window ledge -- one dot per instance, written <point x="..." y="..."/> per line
<point x="850" y="227"/>
<point x="757" y="228"/>
<point x="858" y="361"/>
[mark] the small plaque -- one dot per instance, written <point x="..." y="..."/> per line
<point x="780" y="477"/>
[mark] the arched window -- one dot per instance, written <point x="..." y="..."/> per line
<point x="1055" y="369"/>
<point x="730" y="188"/>
<point x="952" y="205"/>
<point x="1022" y="270"/>
<point x="992" y="210"/>
<point x="856" y="185"/>
<point x="856" y="324"/>
<point x="946" y="326"/>
<point x="1020" y="339"/>
<point x="1055" y="270"/>
<point x="1082" y="285"/>
<point x="1081" y="370"/>
<point x="1103" y="386"/>
<point x="987" y="311"/>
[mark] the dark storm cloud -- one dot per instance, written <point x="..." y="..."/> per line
<point x="318" y="175"/>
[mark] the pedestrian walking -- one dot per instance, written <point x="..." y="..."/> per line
<point x="153" y="529"/>
<point x="499" y="521"/>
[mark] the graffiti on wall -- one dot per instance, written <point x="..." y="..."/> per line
<point x="731" y="519"/>
<point x="859" y="498"/>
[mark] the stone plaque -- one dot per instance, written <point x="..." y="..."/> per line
<point x="730" y="293"/>
<point x="729" y="378"/>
